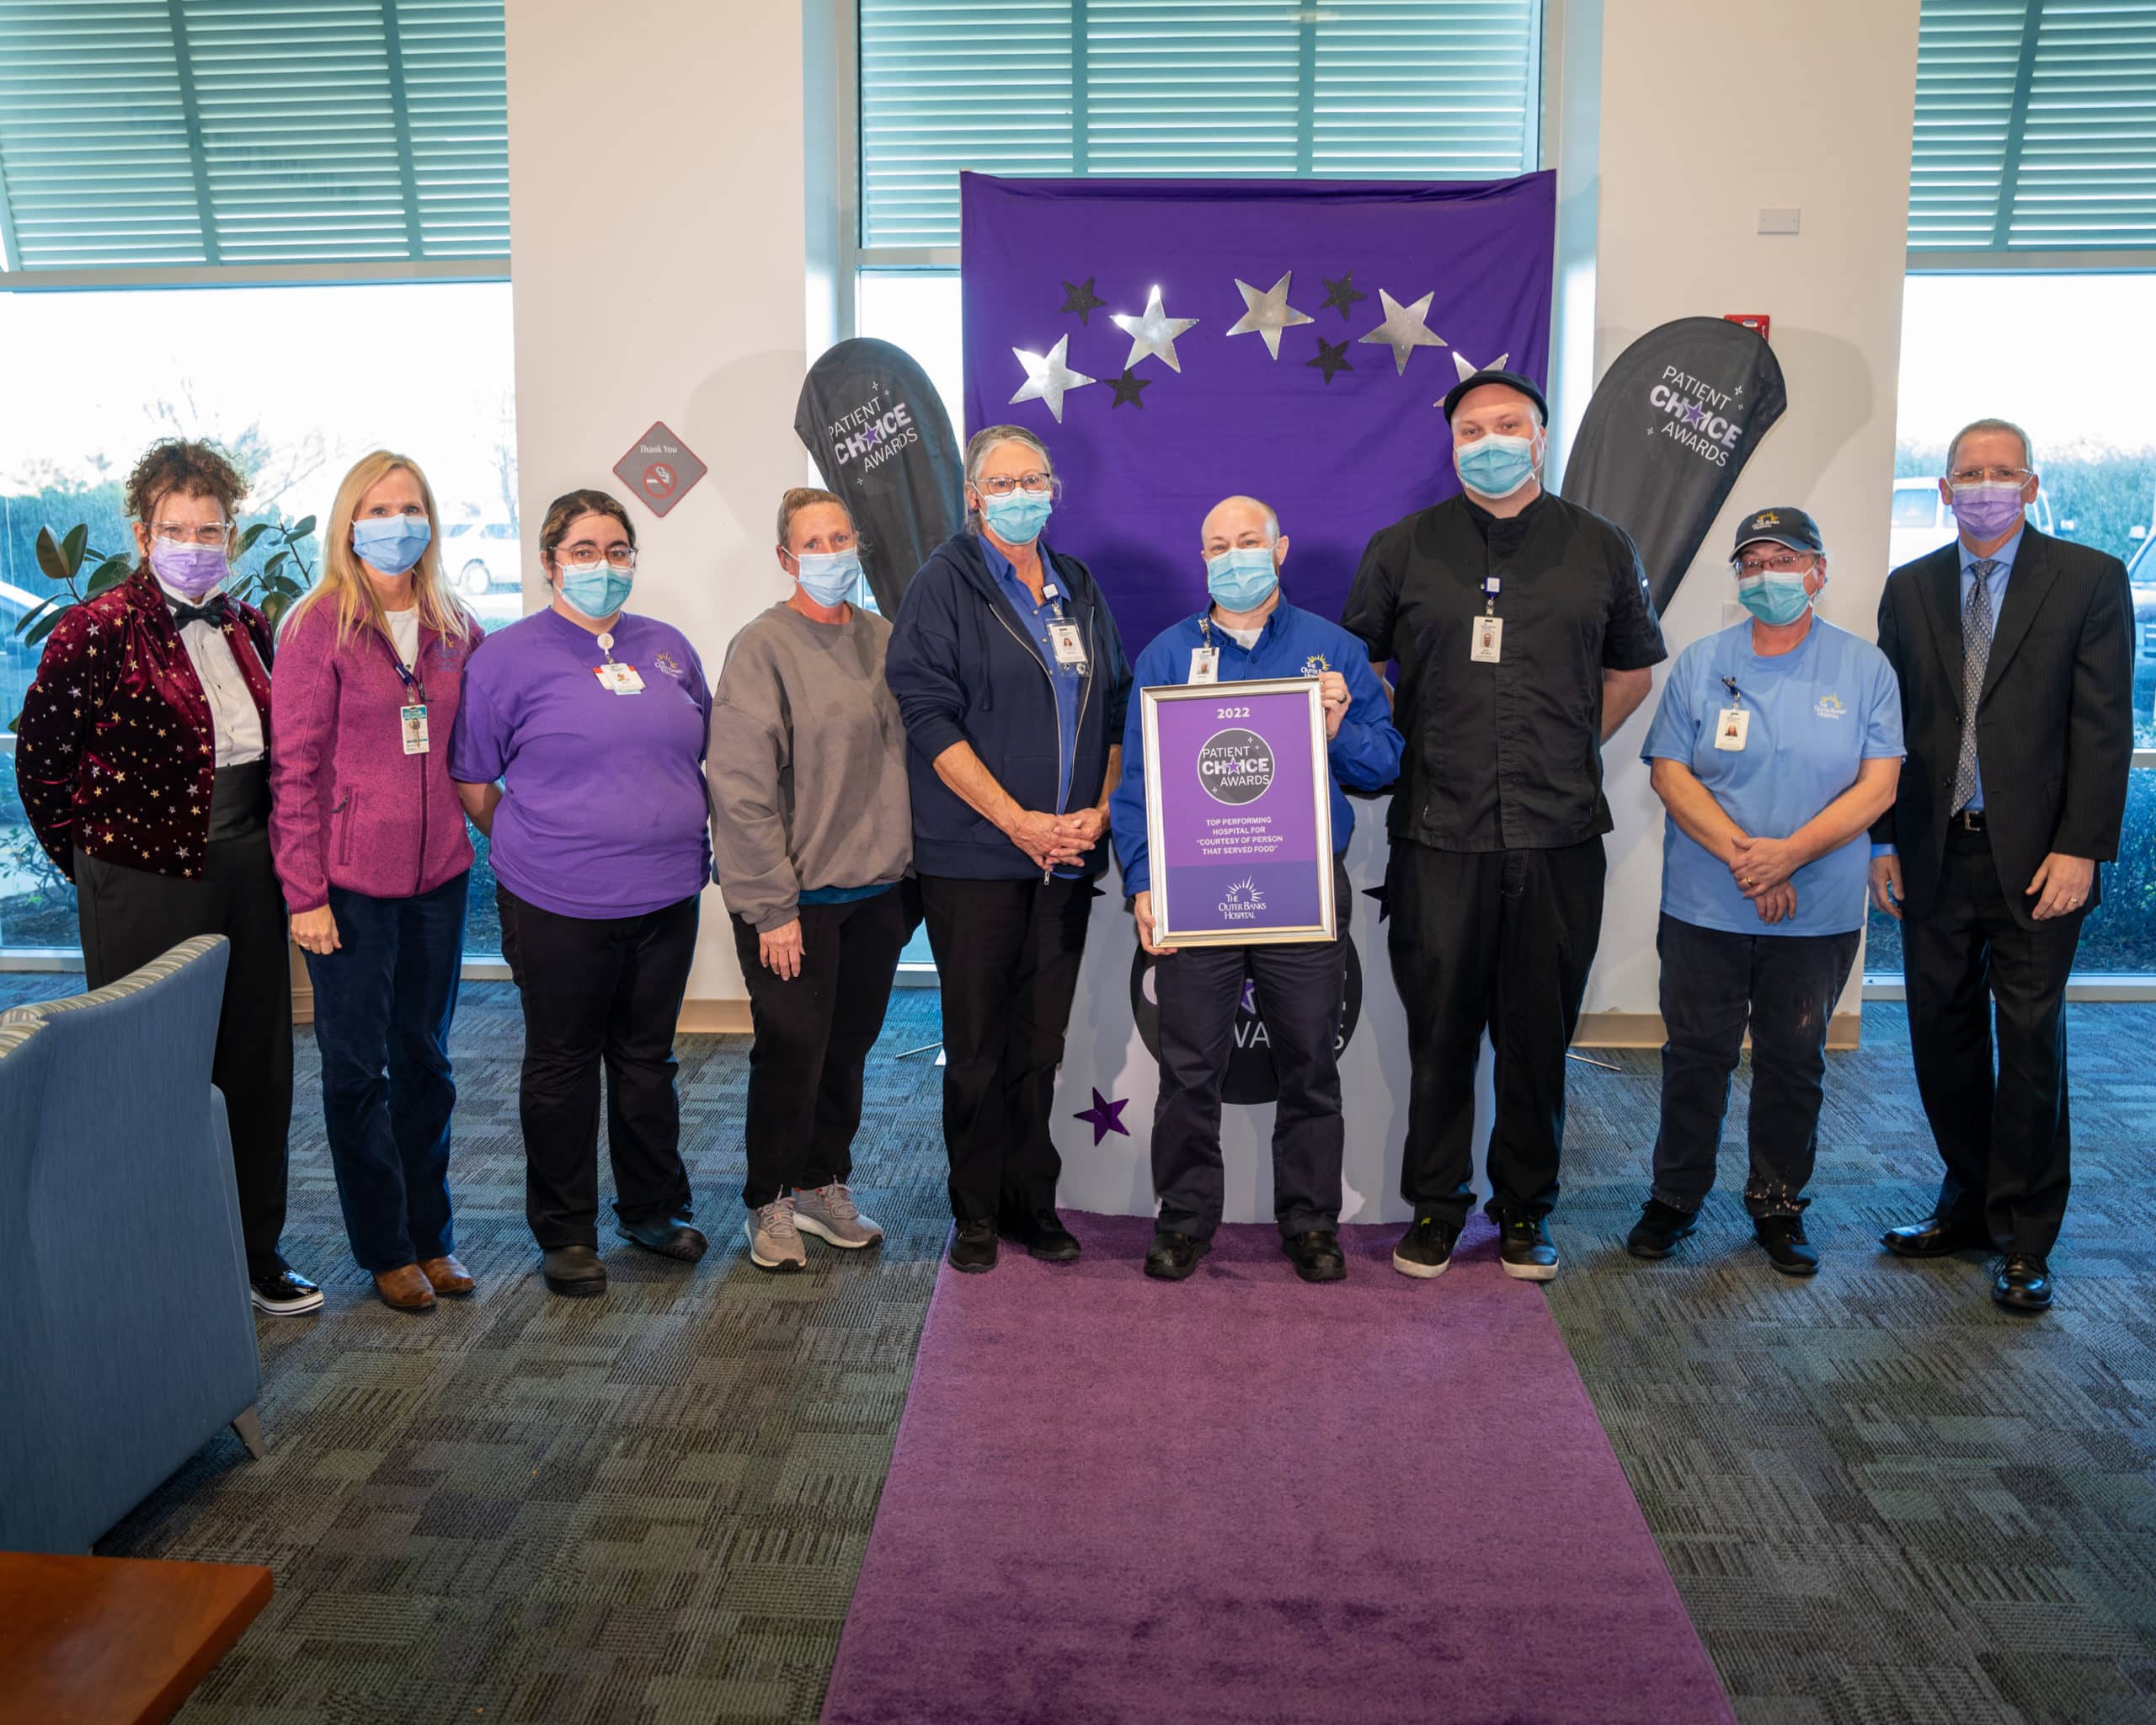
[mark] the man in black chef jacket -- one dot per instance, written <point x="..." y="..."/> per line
<point x="1524" y="631"/>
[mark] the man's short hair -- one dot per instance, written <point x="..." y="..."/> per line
<point x="2028" y="449"/>
<point x="1272" y="519"/>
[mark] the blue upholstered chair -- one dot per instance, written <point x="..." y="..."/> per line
<point x="130" y="1341"/>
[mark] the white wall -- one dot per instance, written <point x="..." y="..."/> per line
<point x="658" y="250"/>
<point x="1709" y="111"/>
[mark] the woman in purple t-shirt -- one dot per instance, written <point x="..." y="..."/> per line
<point x="578" y="751"/>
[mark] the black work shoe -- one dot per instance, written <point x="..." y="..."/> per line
<point x="1425" y="1250"/>
<point x="1934" y="1237"/>
<point x="667" y="1235"/>
<point x="285" y="1295"/>
<point x="2024" y="1282"/>
<point x="1524" y="1248"/>
<point x="1044" y="1235"/>
<point x="1787" y="1249"/>
<point x="1174" y="1256"/>
<point x="1659" y="1228"/>
<point x="973" y="1246"/>
<point x="575" y="1271"/>
<point x="1316" y="1255"/>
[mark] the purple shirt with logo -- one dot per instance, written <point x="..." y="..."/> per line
<point x="603" y="810"/>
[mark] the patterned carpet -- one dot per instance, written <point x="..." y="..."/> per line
<point x="1882" y="1499"/>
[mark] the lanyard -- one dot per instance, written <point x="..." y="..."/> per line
<point x="412" y="686"/>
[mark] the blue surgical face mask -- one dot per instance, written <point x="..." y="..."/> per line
<point x="1238" y="579"/>
<point x="1776" y="599"/>
<point x="598" y="592"/>
<point x="828" y="577"/>
<point x="1495" y="465"/>
<point x="392" y="543"/>
<point x="1019" y="517"/>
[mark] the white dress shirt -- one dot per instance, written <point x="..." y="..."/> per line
<point x="233" y="712"/>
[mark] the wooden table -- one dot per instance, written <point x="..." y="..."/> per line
<point x="113" y="1641"/>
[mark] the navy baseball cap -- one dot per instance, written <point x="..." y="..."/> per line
<point x="1512" y="380"/>
<point x="1785" y="527"/>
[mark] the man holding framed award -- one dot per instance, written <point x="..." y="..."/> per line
<point x="1229" y="823"/>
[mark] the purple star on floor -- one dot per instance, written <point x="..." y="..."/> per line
<point x="1104" y="1116"/>
<point x="1384" y="905"/>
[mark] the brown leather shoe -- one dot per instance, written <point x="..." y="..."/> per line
<point x="446" y="1275"/>
<point x="405" y="1288"/>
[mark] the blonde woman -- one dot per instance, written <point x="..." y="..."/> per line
<point x="369" y="845"/>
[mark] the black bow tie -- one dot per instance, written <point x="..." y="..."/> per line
<point x="217" y="612"/>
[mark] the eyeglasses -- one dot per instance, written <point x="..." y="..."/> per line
<point x="1002" y="485"/>
<point x="1782" y="563"/>
<point x="1997" y="476"/>
<point x="174" y="533"/>
<point x="584" y="557"/>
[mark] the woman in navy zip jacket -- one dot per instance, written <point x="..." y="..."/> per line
<point x="1011" y="679"/>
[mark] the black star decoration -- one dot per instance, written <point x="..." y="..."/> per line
<point x="1378" y="893"/>
<point x="1339" y="296"/>
<point x="1331" y="356"/>
<point x="1128" y="387"/>
<point x="1079" y="297"/>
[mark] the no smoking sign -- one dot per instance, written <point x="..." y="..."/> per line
<point x="660" y="468"/>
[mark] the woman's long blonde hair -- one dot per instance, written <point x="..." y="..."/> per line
<point x="344" y="582"/>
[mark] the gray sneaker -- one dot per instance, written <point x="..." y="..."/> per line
<point x="828" y="1214"/>
<point x="774" y="1242"/>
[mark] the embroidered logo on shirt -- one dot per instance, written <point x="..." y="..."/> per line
<point x="667" y="663"/>
<point x="1317" y="665"/>
<point x="1830" y="707"/>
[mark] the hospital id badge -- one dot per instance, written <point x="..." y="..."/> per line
<point x="414" y="719"/>
<point x="1205" y="664"/>
<point x="1070" y="646"/>
<point x="621" y="679"/>
<point x="1489" y="640"/>
<point x="1731" y="728"/>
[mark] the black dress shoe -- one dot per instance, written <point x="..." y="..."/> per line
<point x="1174" y="1256"/>
<point x="1524" y="1249"/>
<point x="1659" y="1228"/>
<point x="1935" y="1237"/>
<point x="1316" y="1255"/>
<point x="973" y="1246"/>
<point x="1786" y="1248"/>
<point x="574" y="1271"/>
<point x="1425" y="1250"/>
<point x="286" y="1294"/>
<point x="1044" y="1235"/>
<point x="667" y="1235"/>
<point x="2024" y="1282"/>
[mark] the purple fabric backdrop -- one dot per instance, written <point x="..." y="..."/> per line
<point x="1338" y="458"/>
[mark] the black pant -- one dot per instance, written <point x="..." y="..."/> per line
<point x="1966" y="962"/>
<point x="1298" y="992"/>
<point x="383" y="1002"/>
<point x="1501" y="941"/>
<point x="1007" y="954"/>
<point x="814" y="1032"/>
<point x="604" y="990"/>
<point x="1713" y="981"/>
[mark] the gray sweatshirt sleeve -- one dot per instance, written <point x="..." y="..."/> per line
<point x="751" y="739"/>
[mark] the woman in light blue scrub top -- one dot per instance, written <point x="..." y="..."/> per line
<point x="1777" y="744"/>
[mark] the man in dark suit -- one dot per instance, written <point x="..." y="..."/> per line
<point x="2015" y="655"/>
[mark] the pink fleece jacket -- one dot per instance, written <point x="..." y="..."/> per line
<point x="349" y="806"/>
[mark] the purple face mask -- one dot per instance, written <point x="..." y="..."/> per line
<point x="1988" y="509"/>
<point x="189" y="570"/>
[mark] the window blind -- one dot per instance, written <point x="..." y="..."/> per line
<point x="236" y="131"/>
<point x="1435" y="89"/>
<point x="2036" y="126"/>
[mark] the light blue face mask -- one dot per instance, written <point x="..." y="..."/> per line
<point x="1018" y="517"/>
<point x="1495" y="466"/>
<point x="598" y="592"/>
<point x="1240" y="579"/>
<point x="829" y="578"/>
<point x="392" y="543"/>
<point x="1775" y="600"/>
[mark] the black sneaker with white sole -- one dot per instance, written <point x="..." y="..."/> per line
<point x="1425" y="1250"/>
<point x="285" y="1295"/>
<point x="1524" y="1249"/>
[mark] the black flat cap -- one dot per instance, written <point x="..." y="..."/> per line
<point x="1512" y="380"/>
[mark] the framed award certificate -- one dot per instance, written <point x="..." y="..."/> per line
<point x="1238" y="812"/>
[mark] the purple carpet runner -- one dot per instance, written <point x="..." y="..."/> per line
<point x="1243" y="1498"/>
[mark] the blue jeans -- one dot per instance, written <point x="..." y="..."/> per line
<point x="383" y="1002"/>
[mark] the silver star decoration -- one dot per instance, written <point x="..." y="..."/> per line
<point x="1467" y="368"/>
<point x="1268" y="313"/>
<point x="1403" y="329"/>
<point x="1154" y="333"/>
<point x="1047" y="377"/>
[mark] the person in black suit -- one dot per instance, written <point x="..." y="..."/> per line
<point x="2015" y="655"/>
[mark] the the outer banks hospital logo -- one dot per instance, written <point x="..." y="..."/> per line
<point x="1696" y="414"/>
<point x="873" y="433"/>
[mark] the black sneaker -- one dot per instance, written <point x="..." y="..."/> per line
<point x="1044" y="1235"/>
<point x="1524" y="1250"/>
<point x="670" y="1236"/>
<point x="1787" y="1249"/>
<point x="1425" y="1250"/>
<point x="285" y="1295"/>
<point x="1659" y="1228"/>
<point x="1316" y="1255"/>
<point x="973" y="1246"/>
<point x="1174" y="1256"/>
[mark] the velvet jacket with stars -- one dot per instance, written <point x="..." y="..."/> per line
<point x="117" y="753"/>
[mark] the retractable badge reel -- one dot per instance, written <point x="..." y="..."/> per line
<point x="1205" y="661"/>
<point x="1487" y="644"/>
<point x="620" y="679"/>
<point x="1064" y="640"/>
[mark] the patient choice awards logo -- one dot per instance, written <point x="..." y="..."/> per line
<point x="1252" y="1079"/>
<point x="1235" y="766"/>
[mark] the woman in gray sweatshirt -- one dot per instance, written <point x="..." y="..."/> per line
<point x="812" y="833"/>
